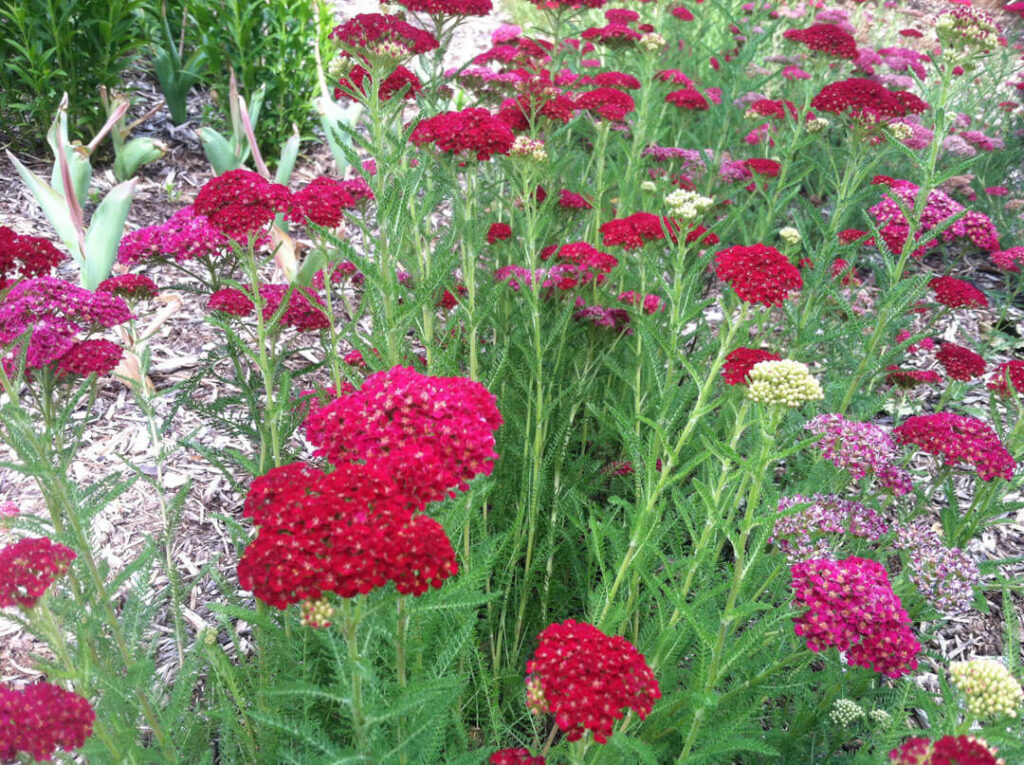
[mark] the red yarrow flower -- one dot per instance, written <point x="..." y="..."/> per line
<point x="687" y="98"/>
<point x="758" y="273"/>
<point x="766" y="167"/>
<point x="1006" y="374"/>
<point x="958" y="439"/>
<point x="383" y="36"/>
<point x="449" y="7"/>
<point x="231" y="301"/>
<point x="827" y="38"/>
<point x="27" y="569"/>
<point x="348" y="532"/>
<point x="352" y="85"/>
<point x="437" y="433"/>
<point x="240" y="203"/>
<point x="88" y="357"/>
<point x="42" y="718"/>
<point x="518" y="756"/>
<point x="586" y="678"/>
<point x="956" y="293"/>
<point x="910" y="378"/>
<point x="739" y="362"/>
<point x="851" y="606"/>
<point x="498" y="232"/>
<point x="25" y="256"/>
<point x="609" y="103"/>
<point x="475" y="131"/>
<point x="861" y="97"/>
<point x="323" y="201"/>
<point x="129" y="286"/>
<point x="948" y="750"/>
<point x="636" y="230"/>
<point x="305" y="311"/>
<point x="960" y="363"/>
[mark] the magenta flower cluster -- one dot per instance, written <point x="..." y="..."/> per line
<point x="861" y="448"/>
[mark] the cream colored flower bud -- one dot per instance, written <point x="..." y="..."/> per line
<point x="989" y="687"/>
<point x="817" y="125"/>
<point x="845" y="712"/>
<point x="652" y="42"/>
<point x="529" y="148"/>
<point x="783" y="383"/>
<point x="880" y="717"/>
<point x="900" y="131"/>
<point x="648" y="186"/>
<point x="790" y="235"/>
<point x="687" y="205"/>
<point x="317" y="613"/>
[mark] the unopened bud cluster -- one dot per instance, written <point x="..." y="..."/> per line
<point x="817" y="125"/>
<point x="900" y="131"/>
<point x="789" y="235"/>
<point x="783" y="383"/>
<point x="688" y="205"/>
<point x="965" y="27"/>
<point x="652" y="42"/>
<point x="530" y="148"/>
<point x="989" y="687"/>
<point x="317" y="613"/>
<point x="845" y="712"/>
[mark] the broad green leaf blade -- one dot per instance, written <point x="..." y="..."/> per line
<point x="54" y="207"/>
<point x="218" y="151"/>
<point x="104" y="235"/>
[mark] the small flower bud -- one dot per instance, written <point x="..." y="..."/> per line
<point x="790" y="235"/>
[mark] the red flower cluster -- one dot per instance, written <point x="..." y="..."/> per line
<point x="22" y="257"/>
<point x="436" y="433"/>
<point x="568" y="3"/>
<point x="514" y="757"/>
<point x="570" y="200"/>
<point x="346" y="532"/>
<point x="498" y="232"/>
<point x="739" y="362"/>
<point x="129" y="286"/>
<point x="305" y="311"/>
<point x="1006" y="374"/>
<point x="766" y="167"/>
<point x="475" y="131"/>
<point x="634" y="231"/>
<point x="240" y="202"/>
<point x="827" y="38"/>
<point x="230" y="301"/>
<point x="861" y="97"/>
<point x="449" y="7"/>
<point x="956" y="293"/>
<point x="90" y="356"/>
<point x="958" y="438"/>
<point x="42" y="718"/>
<point x="27" y="568"/>
<point x="759" y="273"/>
<point x="611" y="34"/>
<point x="322" y="201"/>
<point x="384" y="36"/>
<point x="909" y="378"/>
<point x="852" y="607"/>
<point x="1008" y="259"/>
<point x="650" y="303"/>
<point x="765" y="107"/>
<point x="391" y="84"/>
<point x="960" y="363"/>
<point x="687" y="98"/>
<point x="585" y="678"/>
<point x="610" y="103"/>
<point x="948" y="750"/>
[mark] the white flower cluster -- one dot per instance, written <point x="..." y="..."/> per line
<point x="989" y="687"/>
<point x="530" y="148"/>
<point x="817" y="125"/>
<point x="688" y="205"/>
<point x="789" y="235"/>
<point x="964" y="28"/>
<point x="900" y="131"/>
<point x="783" y="383"/>
<point x="845" y="712"/>
<point x="652" y="42"/>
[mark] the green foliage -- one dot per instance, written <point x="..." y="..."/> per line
<point x="55" y="46"/>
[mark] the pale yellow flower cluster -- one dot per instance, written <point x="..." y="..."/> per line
<point x="988" y="686"/>
<point x="530" y="148"/>
<point x="652" y="42"/>
<point x="783" y="383"/>
<point x="316" y="613"/>
<point x="789" y="235"/>
<point x="687" y="205"/>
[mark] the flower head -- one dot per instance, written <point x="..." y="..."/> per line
<point x="910" y="378"/>
<point x="240" y="203"/>
<point x="322" y="201"/>
<point x="636" y="230"/>
<point x="958" y="438"/>
<point x="436" y="433"/>
<point x="25" y="256"/>
<point x="827" y="38"/>
<point x="956" y="293"/>
<point x="518" y="756"/>
<point x="42" y="718"/>
<point x="1007" y="374"/>
<point x="449" y="7"/>
<point x="88" y="357"/>
<point x="758" y="273"/>
<point x="739" y="362"/>
<point x="783" y="383"/>
<point x="852" y="606"/>
<point x="28" y="567"/>
<point x="473" y="131"/>
<point x="384" y="37"/>
<point x="231" y="301"/>
<point x="862" y="98"/>
<point x="960" y="363"/>
<point x="990" y="688"/>
<point x="586" y="678"/>
<point x="130" y="286"/>
<point x="861" y="448"/>
<point x="804" y="534"/>
<point x="945" y="576"/>
<point x="962" y="750"/>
